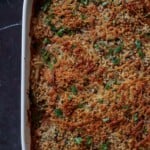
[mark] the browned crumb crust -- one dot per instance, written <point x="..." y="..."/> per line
<point x="90" y="75"/>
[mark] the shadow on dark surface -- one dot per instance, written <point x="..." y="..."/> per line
<point x="10" y="62"/>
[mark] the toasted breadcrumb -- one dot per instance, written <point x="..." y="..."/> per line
<point x="90" y="75"/>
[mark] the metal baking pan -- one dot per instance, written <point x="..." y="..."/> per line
<point x="25" y="72"/>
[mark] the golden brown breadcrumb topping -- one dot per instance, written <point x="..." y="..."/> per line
<point x="90" y="75"/>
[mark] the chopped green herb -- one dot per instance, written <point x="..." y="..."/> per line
<point x="50" y="65"/>
<point x="114" y="51"/>
<point x="104" y="4"/>
<point x="89" y="140"/>
<point x="78" y="140"/>
<point x="74" y="90"/>
<point x="111" y="52"/>
<point x="84" y="2"/>
<point x="48" y="58"/>
<point x="81" y="105"/>
<point x="106" y="119"/>
<point x="115" y="81"/>
<point x="101" y="101"/>
<point x="118" y="49"/>
<point x="47" y="21"/>
<point x="96" y="46"/>
<point x="46" y="5"/>
<point x="83" y="16"/>
<point x="70" y="32"/>
<point x="138" y="44"/>
<point x="61" y="32"/>
<point x="70" y="97"/>
<point x="115" y="60"/>
<point x="141" y="53"/>
<point x="45" y="56"/>
<point x="135" y="117"/>
<point x="145" y="130"/>
<point x="104" y="146"/>
<point x="58" y="112"/>
<point x="103" y="43"/>
<point x="53" y="28"/>
<point x="54" y="61"/>
<point x="46" y="41"/>
<point x="108" y="85"/>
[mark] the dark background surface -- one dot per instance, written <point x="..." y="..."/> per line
<point x="10" y="57"/>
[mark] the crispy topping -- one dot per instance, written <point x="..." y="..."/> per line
<point x="90" y="75"/>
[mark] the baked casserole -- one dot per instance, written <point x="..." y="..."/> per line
<point x="90" y="75"/>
